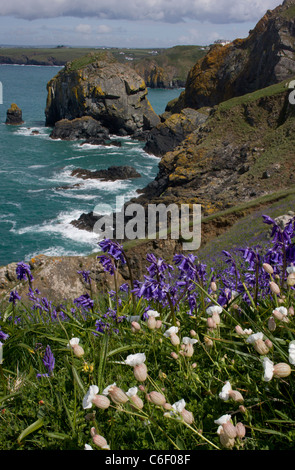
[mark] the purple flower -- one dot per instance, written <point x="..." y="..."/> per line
<point x="3" y="336"/>
<point x="23" y="272"/>
<point x="49" y="362"/>
<point x="85" y="276"/>
<point x="107" y="264"/>
<point x="84" y="301"/>
<point x="14" y="296"/>
<point x="113" y="248"/>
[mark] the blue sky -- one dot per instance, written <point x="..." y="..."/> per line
<point x="131" y="23"/>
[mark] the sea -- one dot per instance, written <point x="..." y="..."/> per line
<point x="38" y="196"/>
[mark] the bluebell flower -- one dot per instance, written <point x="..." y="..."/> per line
<point x="84" y="301"/>
<point x="23" y="272"/>
<point x="113" y="248"/>
<point x="14" y="296"/>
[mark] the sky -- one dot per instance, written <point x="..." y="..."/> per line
<point x="127" y="23"/>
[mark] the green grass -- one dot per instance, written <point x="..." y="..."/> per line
<point x="271" y="90"/>
<point x="289" y="13"/>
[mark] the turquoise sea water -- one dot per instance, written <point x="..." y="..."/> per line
<point x="35" y="215"/>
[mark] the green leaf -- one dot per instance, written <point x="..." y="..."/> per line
<point x="122" y="349"/>
<point x="78" y="379"/>
<point x="32" y="428"/>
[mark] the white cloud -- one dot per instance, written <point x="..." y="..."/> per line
<point x="103" y="29"/>
<point x="173" y="11"/>
<point x="83" y="28"/>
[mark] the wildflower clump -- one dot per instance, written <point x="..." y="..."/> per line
<point x="152" y="363"/>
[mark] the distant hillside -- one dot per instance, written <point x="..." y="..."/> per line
<point x="159" y="67"/>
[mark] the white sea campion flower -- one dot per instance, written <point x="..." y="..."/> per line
<point x="227" y="392"/>
<point x="224" y="394"/>
<point x="139" y="368"/>
<point x="188" y="346"/>
<point x="222" y="420"/>
<point x="90" y="395"/>
<point x="134" y="398"/>
<point x="292" y="352"/>
<point x="257" y="340"/>
<point x="178" y="410"/>
<point x="179" y="406"/>
<point x="280" y="313"/>
<point x="188" y="340"/>
<point x="108" y="388"/>
<point x="239" y="330"/>
<point x="87" y="447"/>
<point x="77" y="349"/>
<point x="268" y="367"/>
<point x="117" y="395"/>
<point x="291" y="269"/>
<point x="254" y="337"/>
<point x="135" y="359"/>
<point x="152" y="315"/>
<point x="214" y="309"/>
<point x="170" y="331"/>
<point x="92" y="398"/>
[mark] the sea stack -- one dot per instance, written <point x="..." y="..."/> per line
<point x="14" y="115"/>
<point x="99" y="87"/>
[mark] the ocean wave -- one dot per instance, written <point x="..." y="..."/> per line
<point x="29" y="132"/>
<point x="65" y="176"/>
<point x="63" y="227"/>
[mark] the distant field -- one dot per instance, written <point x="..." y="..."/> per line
<point x="61" y="55"/>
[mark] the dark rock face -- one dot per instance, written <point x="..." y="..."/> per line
<point x="170" y="133"/>
<point x="265" y="57"/>
<point x="80" y="128"/>
<point x="113" y="173"/>
<point x="14" y="115"/>
<point x="110" y="92"/>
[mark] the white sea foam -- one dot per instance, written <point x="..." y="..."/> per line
<point x="28" y="131"/>
<point x="63" y="227"/>
<point x="57" y="251"/>
<point x="65" y="176"/>
<point x="35" y="167"/>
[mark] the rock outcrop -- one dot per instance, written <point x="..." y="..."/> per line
<point x="80" y="128"/>
<point x="14" y="115"/>
<point x="265" y="57"/>
<point x="100" y="87"/>
<point x="167" y="135"/>
<point x="113" y="173"/>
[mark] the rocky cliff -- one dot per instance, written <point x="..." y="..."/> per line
<point x="99" y="87"/>
<point x="265" y="57"/>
